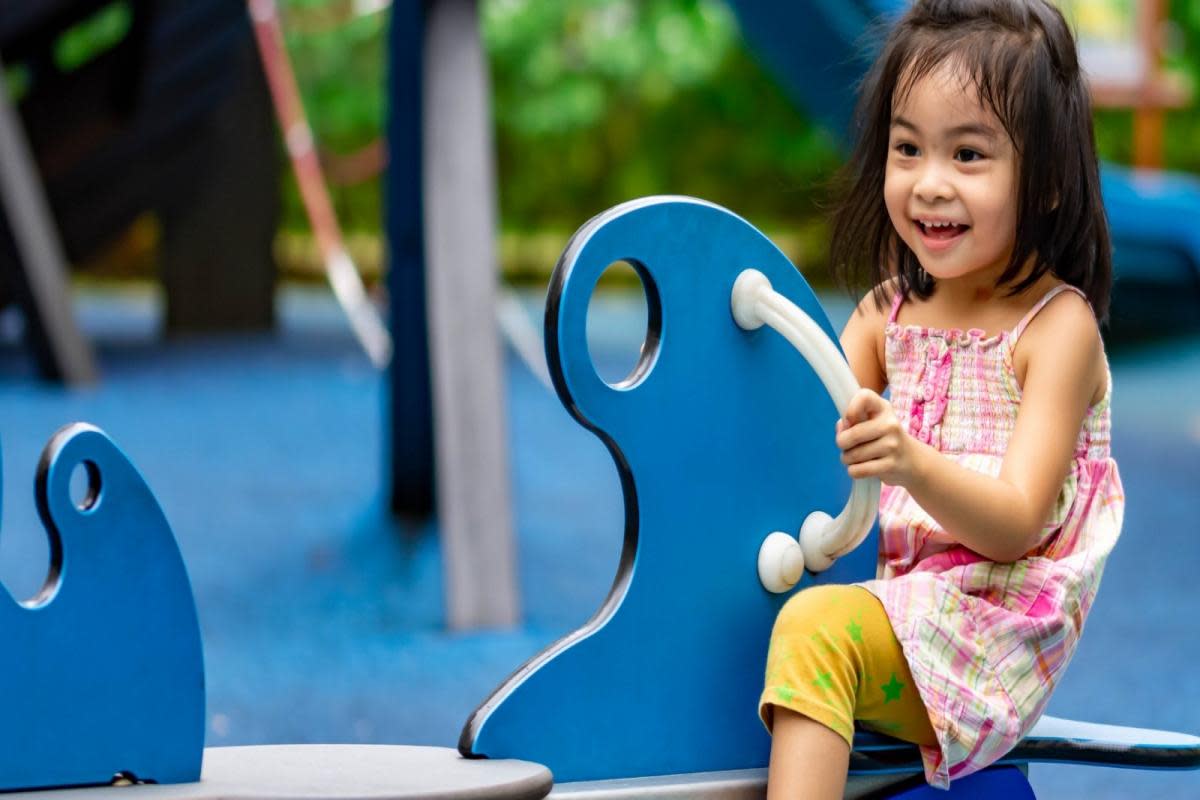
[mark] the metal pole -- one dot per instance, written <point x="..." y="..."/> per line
<point x="469" y="419"/>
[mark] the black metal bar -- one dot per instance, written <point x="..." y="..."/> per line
<point x="411" y="466"/>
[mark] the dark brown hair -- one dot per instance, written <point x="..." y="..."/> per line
<point x="1021" y="58"/>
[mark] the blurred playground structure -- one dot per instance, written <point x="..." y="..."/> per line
<point x="815" y="49"/>
<point x="441" y="222"/>
<point x="1120" y="44"/>
<point x="445" y="440"/>
<point x="115" y="109"/>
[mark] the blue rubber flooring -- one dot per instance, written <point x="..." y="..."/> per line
<point x="322" y="618"/>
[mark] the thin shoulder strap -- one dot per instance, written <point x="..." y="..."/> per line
<point x="897" y="300"/>
<point x="1046" y="298"/>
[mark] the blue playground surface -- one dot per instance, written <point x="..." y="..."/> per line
<point x="322" y="618"/>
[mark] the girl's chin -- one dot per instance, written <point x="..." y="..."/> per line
<point x="948" y="273"/>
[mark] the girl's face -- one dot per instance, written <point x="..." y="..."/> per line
<point x="950" y="184"/>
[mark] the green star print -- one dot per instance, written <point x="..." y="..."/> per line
<point x="855" y="631"/>
<point x="891" y="689"/>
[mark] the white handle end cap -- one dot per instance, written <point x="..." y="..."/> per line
<point x="744" y="299"/>
<point x="780" y="562"/>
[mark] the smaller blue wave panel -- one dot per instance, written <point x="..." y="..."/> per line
<point x="720" y="436"/>
<point x="104" y="670"/>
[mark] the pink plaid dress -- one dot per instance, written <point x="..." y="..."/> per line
<point x="986" y="642"/>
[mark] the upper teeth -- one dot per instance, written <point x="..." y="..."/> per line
<point x="932" y="224"/>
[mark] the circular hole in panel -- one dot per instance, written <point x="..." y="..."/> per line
<point x="85" y="485"/>
<point x="624" y="320"/>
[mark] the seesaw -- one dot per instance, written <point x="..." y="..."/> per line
<point x="721" y="436"/>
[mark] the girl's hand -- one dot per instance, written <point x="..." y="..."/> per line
<point x="873" y="443"/>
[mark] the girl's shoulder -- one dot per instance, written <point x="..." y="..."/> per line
<point x="1062" y="308"/>
<point x="1062" y="329"/>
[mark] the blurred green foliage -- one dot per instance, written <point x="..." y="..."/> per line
<point x="598" y="101"/>
<point x="595" y="101"/>
<point x="340" y="60"/>
<point x="94" y="35"/>
<point x="1182" y="54"/>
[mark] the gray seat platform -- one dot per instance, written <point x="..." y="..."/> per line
<point x="734" y="784"/>
<point x="334" y="772"/>
<point x="879" y="762"/>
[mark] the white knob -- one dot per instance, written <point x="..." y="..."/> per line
<point x="743" y="302"/>
<point x="780" y="562"/>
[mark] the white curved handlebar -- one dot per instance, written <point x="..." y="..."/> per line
<point x="822" y="538"/>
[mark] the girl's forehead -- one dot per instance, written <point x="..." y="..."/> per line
<point x="947" y="89"/>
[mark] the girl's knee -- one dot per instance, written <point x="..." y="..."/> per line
<point x="817" y="605"/>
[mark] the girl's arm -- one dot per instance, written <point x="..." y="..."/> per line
<point x="999" y="518"/>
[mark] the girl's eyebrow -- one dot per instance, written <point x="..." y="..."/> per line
<point x="966" y="129"/>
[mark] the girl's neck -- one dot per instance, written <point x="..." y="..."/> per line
<point x="980" y="290"/>
<point x="966" y="302"/>
<point x="982" y="285"/>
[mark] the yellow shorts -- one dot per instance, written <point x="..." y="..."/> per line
<point x="835" y="659"/>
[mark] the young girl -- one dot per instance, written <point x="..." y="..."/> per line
<point x="974" y="208"/>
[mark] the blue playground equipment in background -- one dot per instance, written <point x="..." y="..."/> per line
<point x="105" y="673"/>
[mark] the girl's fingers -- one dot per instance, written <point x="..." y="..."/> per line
<point x="869" y="451"/>
<point x="856" y="409"/>
<point x="869" y="469"/>
<point x="864" y="405"/>
<point x="854" y="435"/>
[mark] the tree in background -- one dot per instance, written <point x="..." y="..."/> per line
<point x="598" y="101"/>
<point x="1183" y="55"/>
<point x="595" y="101"/>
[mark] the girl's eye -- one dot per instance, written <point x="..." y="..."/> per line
<point x="907" y="150"/>
<point x="967" y="155"/>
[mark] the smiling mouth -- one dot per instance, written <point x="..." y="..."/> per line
<point x="941" y="231"/>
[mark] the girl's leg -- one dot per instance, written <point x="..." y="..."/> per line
<point x="808" y="698"/>
<point x="833" y="659"/>
<point x="808" y="760"/>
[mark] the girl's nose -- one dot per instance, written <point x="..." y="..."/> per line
<point x="933" y="184"/>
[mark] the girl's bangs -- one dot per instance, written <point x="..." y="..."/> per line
<point x="991" y="65"/>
